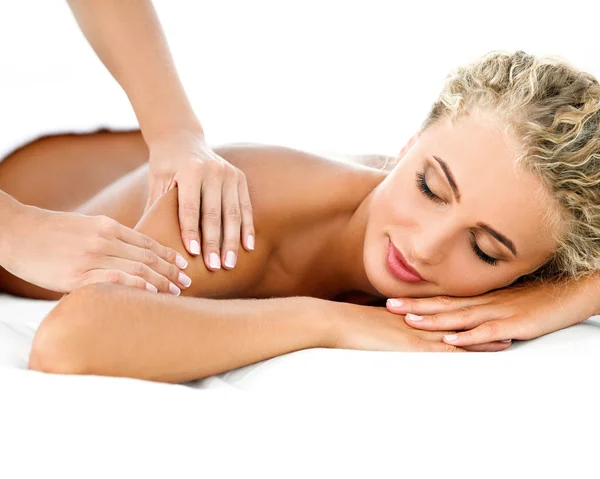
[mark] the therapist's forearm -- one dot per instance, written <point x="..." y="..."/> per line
<point x="128" y="38"/>
<point x="112" y="330"/>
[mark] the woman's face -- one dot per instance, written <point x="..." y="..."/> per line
<point x="459" y="212"/>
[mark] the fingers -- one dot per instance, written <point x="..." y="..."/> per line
<point x="139" y="240"/>
<point x="211" y="218"/>
<point x="116" y="276"/>
<point x="248" y="233"/>
<point x="433" y="305"/>
<point x="231" y="222"/>
<point x="463" y="318"/>
<point x="489" y="347"/>
<point x="500" y="330"/>
<point x="419" y="344"/>
<point x="189" y="208"/>
<point x="166" y="277"/>
<point x="134" y="268"/>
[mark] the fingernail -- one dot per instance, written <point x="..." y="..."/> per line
<point x="451" y="337"/>
<point x="181" y="262"/>
<point x="414" y="317"/>
<point x="174" y="289"/>
<point x="215" y="262"/>
<point x="230" y="259"/>
<point x="185" y="280"/>
<point x="194" y="247"/>
<point x="151" y="287"/>
<point x="506" y="340"/>
<point x="395" y="303"/>
<point x="250" y="242"/>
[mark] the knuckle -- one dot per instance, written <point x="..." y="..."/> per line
<point x="108" y="226"/>
<point x="491" y="328"/>
<point x="191" y="208"/>
<point x="170" y="255"/>
<point x="139" y="269"/>
<point x="464" y="312"/>
<point x="212" y="216"/>
<point x="96" y="246"/>
<point x="246" y="206"/>
<point x="116" y="276"/>
<point x="233" y="212"/>
<point x="150" y="257"/>
<point x="445" y="301"/>
<point x="448" y="348"/>
<point x="211" y="244"/>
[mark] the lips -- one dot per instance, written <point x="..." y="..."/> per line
<point x="396" y="264"/>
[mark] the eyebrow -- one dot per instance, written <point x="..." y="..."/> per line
<point x="499" y="236"/>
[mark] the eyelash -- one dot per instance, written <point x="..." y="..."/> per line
<point x="422" y="185"/>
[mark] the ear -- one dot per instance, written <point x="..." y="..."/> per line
<point x="409" y="144"/>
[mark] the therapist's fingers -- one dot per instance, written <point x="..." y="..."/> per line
<point x="140" y="240"/>
<point x="160" y="268"/>
<point x="116" y="276"/>
<point x="248" y="233"/>
<point x="189" y="186"/>
<point x="211" y="216"/>
<point x="232" y="220"/>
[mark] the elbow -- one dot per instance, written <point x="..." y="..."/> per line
<point x="59" y="342"/>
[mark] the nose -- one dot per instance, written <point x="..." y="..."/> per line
<point x="429" y="245"/>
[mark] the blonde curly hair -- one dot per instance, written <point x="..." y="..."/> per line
<point x="553" y="109"/>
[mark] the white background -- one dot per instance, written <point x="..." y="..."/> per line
<point x="351" y="76"/>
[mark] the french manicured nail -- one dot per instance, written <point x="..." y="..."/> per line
<point x="395" y="303"/>
<point x="194" y="247"/>
<point x="184" y="279"/>
<point x="506" y="340"/>
<point x="250" y="242"/>
<point x="230" y="259"/>
<point x="181" y="262"/>
<point x="451" y="337"/>
<point x="151" y="287"/>
<point x="174" y="289"/>
<point x="215" y="262"/>
<point x="414" y="317"/>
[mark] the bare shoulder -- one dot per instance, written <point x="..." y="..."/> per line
<point x="289" y="190"/>
<point x="285" y="180"/>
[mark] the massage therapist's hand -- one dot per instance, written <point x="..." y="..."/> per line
<point x="185" y="160"/>
<point x="515" y="312"/>
<point x="64" y="251"/>
<point x="374" y="328"/>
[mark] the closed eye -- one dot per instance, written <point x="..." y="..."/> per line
<point x="422" y="185"/>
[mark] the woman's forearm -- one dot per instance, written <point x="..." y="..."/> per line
<point x="116" y="331"/>
<point x="128" y="38"/>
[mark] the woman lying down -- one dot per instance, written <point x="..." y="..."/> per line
<point x="499" y="188"/>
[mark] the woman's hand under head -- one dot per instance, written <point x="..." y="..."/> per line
<point x="522" y="312"/>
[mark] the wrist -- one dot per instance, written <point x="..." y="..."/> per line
<point x="323" y="319"/>
<point x="168" y="125"/>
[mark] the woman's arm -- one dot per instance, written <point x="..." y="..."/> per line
<point x="114" y="331"/>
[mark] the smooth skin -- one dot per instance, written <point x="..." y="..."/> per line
<point x="61" y="252"/>
<point x="329" y="248"/>
<point x="128" y="38"/>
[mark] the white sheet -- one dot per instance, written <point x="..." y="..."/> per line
<point x="314" y="368"/>
<point x="528" y="412"/>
